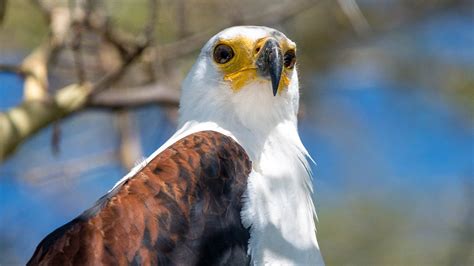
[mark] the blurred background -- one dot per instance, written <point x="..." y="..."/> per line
<point x="387" y="113"/>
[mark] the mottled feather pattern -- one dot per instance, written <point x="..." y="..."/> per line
<point x="182" y="208"/>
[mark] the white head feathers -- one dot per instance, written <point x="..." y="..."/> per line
<point x="237" y="98"/>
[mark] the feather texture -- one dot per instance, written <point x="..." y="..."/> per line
<point x="182" y="208"/>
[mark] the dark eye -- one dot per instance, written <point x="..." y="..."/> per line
<point x="223" y="53"/>
<point x="289" y="59"/>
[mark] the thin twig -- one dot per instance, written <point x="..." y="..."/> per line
<point x="76" y="42"/>
<point x="119" y="40"/>
<point x="149" y="30"/>
<point x="56" y="138"/>
<point x="77" y="52"/>
<point x="114" y="76"/>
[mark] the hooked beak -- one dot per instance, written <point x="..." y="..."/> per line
<point x="270" y="63"/>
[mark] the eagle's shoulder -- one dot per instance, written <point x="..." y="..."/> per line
<point x="183" y="207"/>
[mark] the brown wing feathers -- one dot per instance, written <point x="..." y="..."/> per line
<point x="183" y="208"/>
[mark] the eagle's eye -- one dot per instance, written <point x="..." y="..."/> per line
<point x="289" y="59"/>
<point x="223" y="53"/>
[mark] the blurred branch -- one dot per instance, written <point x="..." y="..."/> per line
<point x="125" y="42"/>
<point x="114" y="76"/>
<point x="355" y="15"/>
<point x="3" y="10"/>
<point x="120" y="40"/>
<point x="15" y="69"/>
<point x="156" y="93"/>
<point x="149" y="31"/>
<point x="35" y="66"/>
<point x="36" y="85"/>
<point x="78" y="11"/>
<point x="39" y="109"/>
<point x="193" y="42"/>
<point x="20" y="122"/>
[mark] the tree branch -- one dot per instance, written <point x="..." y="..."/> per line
<point x="156" y="93"/>
<point x="36" y="85"/>
<point x="38" y="109"/>
<point x="78" y="11"/>
<point x="15" y="69"/>
<point x="22" y="121"/>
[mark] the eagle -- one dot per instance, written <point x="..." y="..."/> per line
<point x="231" y="187"/>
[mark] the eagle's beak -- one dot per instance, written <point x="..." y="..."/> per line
<point x="270" y="62"/>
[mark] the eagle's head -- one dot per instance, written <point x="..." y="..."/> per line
<point x="246" y="73"/>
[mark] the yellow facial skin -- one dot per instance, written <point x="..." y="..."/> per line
<point x="242" y="69"/>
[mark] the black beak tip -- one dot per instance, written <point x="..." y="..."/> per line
<point x="275" y="83"/>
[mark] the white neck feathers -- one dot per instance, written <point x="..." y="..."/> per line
<point x="278" y="205"/>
